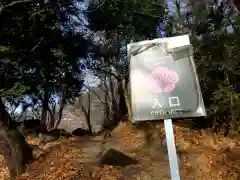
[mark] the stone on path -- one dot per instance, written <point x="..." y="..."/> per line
<point x="116" y="158"/>
<point x="80" y="132"/>
<point x="49" y="136"/>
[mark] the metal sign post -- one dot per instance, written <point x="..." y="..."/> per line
<point x="164" y="85"/>
<point x="172" y="154"/>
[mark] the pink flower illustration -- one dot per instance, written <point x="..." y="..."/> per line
<point x="162" y="79"/>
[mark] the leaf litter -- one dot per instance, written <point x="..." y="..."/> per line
<point x="203" y="156"/>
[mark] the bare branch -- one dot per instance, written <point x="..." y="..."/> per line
<point x="99" y="6"/>
<point x="37" y="44"/>
<point x="106" y="72"/>
<point x="14" y="3"/>
<point x="18" y="118"/>
<point x="91" y="90"/>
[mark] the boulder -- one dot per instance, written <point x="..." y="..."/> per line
<point x="64" y="133"/>
<point x="49" y="136"/>
<point x="116" y="158"/>
<point x="31" y="123"/>
<point x="29" y="127"/>
<point x="80" y="132"/>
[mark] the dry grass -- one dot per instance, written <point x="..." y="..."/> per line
<point x="4" y="171"/>
<point x="207" y="155"/>
<point x="204" y="156"/>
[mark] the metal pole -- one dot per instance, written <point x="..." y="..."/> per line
<point x="172" y="154"/>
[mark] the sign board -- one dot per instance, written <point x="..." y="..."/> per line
<point x="163" y="80"/>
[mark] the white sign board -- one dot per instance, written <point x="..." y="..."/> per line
<point x="163" y="80"/>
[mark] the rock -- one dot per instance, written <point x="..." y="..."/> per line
<point x="22" y="130"/>
<point x="235" y="151"/>
<point x="63" y="132"/>
<point x="31" y="123"/>
<point x="233" y="155"/>
<point x="50" y="136"/>
<point x="116" y="158"/>
<point x="29" y="127"/>
<point x="80" y="132"/>
<point x="26" y="174"/>
<point x="231" y="145"/>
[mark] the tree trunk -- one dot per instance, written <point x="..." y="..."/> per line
<point x="45" y="107"/>
<point x="13" y="146"/>
<point x="113" y="99"/>
<point x="62" y="105"/>
<point x="127" y="99"/>
<point x="106" y="101"/>
<point x="128" y="104"/>
<point x="87" y="112"/>
<point x="47" y="119"/>
<point x="123" y="110"/>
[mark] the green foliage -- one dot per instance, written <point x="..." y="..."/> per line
<point x="38" y="48"/>
<point x="128" y="17"/>
<point x="214" y="31"/>
<point x="40" y="51"/>
<point x="217" y="58"/>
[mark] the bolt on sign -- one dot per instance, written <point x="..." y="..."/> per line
<point x="163" y="80"/>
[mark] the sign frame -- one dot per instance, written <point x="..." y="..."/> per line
<point x="172" y="45"/>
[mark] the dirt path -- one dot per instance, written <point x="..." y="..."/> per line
<point x="90" y="146"/>
<point x="153" y="161"/>
<point x="202" y="157"/>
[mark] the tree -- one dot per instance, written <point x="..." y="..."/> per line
<point x="214" y="28"/>
<point x="39" y="52"/>
<point x="121" y="22"/>
<point x="237" y="4"/>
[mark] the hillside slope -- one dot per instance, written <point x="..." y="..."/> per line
<point x="203" y="156"/>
